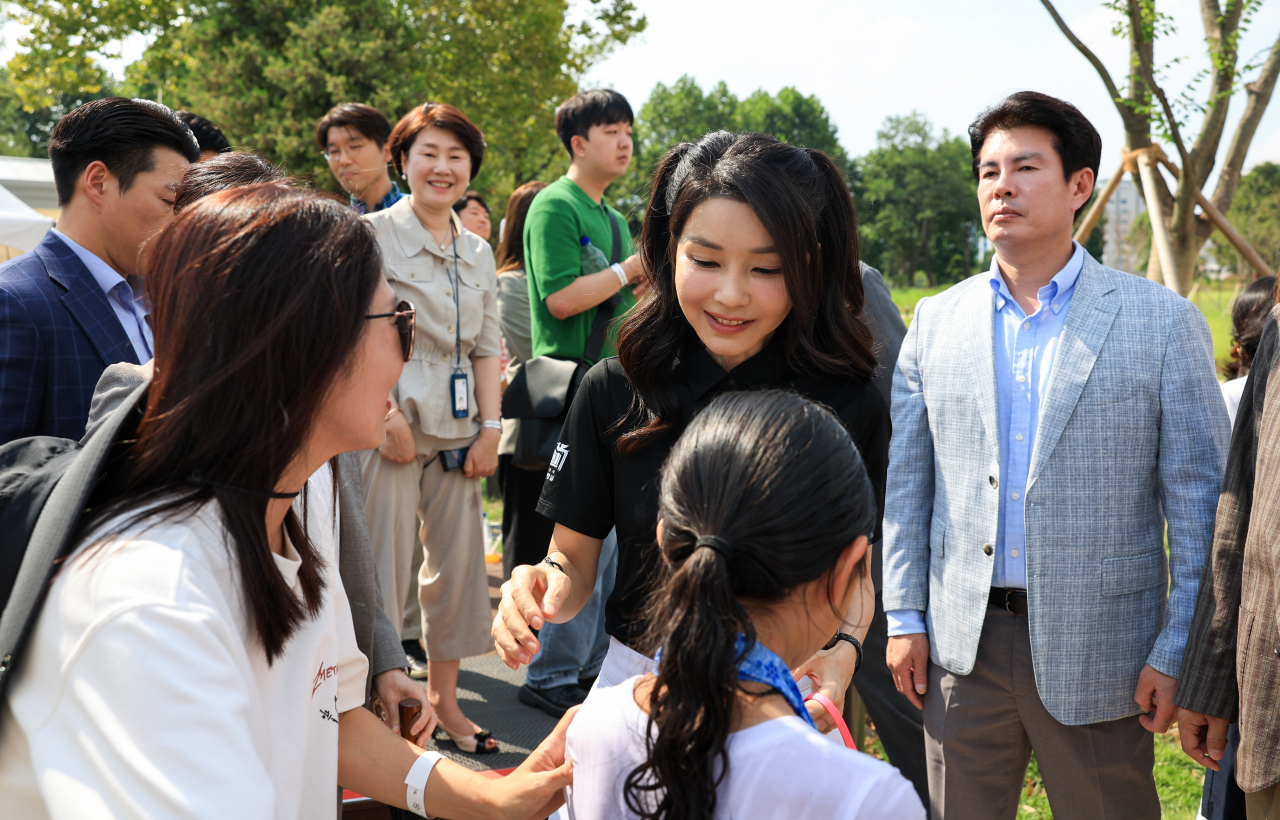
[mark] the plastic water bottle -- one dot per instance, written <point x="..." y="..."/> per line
<point x="593" y="259"/>
<point x="492" y="545"/>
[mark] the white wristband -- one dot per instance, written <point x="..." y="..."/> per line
<point x="616" y="267"/>
<point x="416" y="782"/>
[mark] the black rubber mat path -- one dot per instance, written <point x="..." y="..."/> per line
<point x="487" y="692"/>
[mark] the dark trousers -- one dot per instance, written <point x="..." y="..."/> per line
<point x="526" y="533"/>
<point x="1223" y="799"/>
<point x="899" y="724"/>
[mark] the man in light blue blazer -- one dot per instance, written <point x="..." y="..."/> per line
<point x="1050" y="419"/>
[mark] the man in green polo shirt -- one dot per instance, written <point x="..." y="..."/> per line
<point x="595" y="127"/>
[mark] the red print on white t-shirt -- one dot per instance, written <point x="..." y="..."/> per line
<point x="323" y="675"/>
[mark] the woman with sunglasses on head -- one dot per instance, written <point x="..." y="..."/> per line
<point x="423" y="484"/>
<point x="752" y="250"/>
<point x="195" y="656"/>
<point x="765" y="512"/>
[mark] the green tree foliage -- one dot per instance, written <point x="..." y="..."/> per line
<point x="1255" y="213"/>
<point x="26" y="133"/>
<point x="266" y="70"/>
<point x="917" y="201"/>
<point x="683" y="112"/>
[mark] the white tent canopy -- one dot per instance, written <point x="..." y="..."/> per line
<point x="20" y="226"/>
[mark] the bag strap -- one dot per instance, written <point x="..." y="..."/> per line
<point x="616" y="256"/>
<point x="604" y="313"/>
<point x="54" y="531"/>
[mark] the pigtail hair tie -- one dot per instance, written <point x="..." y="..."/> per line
<point x="716" y="543"/>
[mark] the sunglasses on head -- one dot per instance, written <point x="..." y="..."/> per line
<point x="405" y="317"/>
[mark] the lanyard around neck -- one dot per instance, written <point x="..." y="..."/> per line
<point x="457" y="306"/>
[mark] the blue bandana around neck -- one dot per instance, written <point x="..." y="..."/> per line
<point x="761" y="665"/>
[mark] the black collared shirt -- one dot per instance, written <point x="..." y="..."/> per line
<point x="591" y="488"/>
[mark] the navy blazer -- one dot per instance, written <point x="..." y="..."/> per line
<point x="58" y="333"/>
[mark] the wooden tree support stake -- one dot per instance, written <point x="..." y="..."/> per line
<point x="1091" y="218"/>
<point x="1159" y="234"/>
<point x="1260" y="267"/>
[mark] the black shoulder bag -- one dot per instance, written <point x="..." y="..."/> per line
<point x="541" y="391"/>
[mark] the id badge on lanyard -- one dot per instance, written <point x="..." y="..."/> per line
<point x="458" y="391"/>
<point x="458" y="381"/>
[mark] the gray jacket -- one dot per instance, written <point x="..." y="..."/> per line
<point x="375" y="635"/>
<point x="1133" y="436"/>
<point x="885" y="320"/>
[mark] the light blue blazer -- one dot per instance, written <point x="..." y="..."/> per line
<point x="1133" y="435"/>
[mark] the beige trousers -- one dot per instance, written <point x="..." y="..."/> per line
<point x="408" y="504"/>
<point x="1263" y="805"/>
<point x="981" y="728"/>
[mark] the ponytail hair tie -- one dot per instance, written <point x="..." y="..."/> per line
<point x="716" y="543"/>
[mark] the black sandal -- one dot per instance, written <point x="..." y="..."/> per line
<point x="474" y="744"/>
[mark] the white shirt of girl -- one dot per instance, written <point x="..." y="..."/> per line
<point x="144" y="692"/>
<point x="778" y="770"/>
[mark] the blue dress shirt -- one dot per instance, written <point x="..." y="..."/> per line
<point x="130" y="308"/>
<point x="1025" y="347"/>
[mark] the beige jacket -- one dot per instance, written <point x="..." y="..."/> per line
<point x="423" y="273"/>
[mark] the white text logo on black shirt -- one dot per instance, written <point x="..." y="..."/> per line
<point x="558" y="459"/>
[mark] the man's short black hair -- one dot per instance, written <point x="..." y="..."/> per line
<point x="365" y="119"/>
<point x="122" y="134"/>
<point x="1074" y="137"/>
<point x="207" y="134"/>
<point x="597" y="106"/>
<point x="467" y="199"/>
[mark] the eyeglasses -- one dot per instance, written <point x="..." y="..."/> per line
<point x="405" y="316"/>
<point x="336" y="154"/>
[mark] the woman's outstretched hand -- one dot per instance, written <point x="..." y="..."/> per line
<point x="536" y="788"/>
<point x="530" y="598"/>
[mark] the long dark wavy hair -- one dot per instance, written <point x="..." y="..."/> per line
<point x="258" y="303"/>
<point x="777" y="478"/>
<point x="802" y="200"/>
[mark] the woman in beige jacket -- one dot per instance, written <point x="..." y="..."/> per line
<point x="442" y="437"/>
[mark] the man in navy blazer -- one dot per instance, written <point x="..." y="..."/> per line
<point x="76" y="304"/>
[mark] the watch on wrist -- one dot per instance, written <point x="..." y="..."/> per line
<point x="491" y="424"/>
<point x="847" y="638"/>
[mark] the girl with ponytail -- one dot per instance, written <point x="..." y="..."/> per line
<point x="765" y="514"/>
<point x="751" y="248"/>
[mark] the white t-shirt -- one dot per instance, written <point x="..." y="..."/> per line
<point x="779" y="769"/>
<point x="144" y="692"/>
<point x="1232" y="392"/>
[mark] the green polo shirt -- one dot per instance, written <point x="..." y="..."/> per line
<point x="561" y="214"/>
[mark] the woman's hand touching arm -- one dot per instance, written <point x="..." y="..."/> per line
<point x="374" y="762"/>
